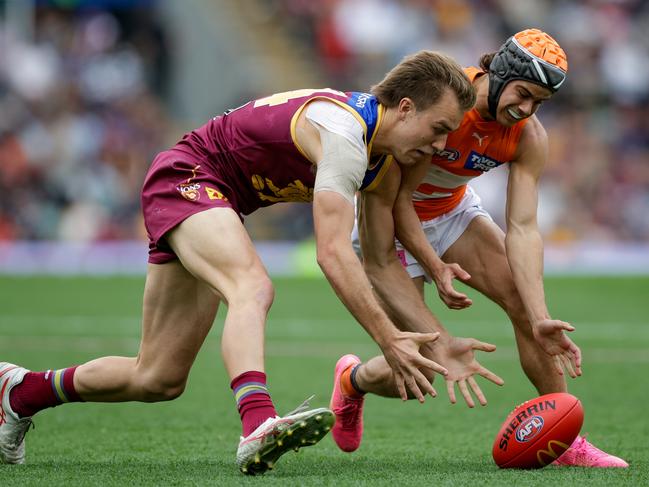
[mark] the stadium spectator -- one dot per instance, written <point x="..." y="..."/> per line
<point x="603" y="108"/>
<point x="82" y="115"/>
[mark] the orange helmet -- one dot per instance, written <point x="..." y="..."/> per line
<point x="530" y="55"/>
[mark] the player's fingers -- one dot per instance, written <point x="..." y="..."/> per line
<point x="567" y="365"/>
<point x="576" y="353"/>
<point x="577" y="368"/>
<point x="461" y="303"/>
<point x="484" y="346"/>
<point x="557" y="365"/>
<point x="477" y="391"/>
<point x="401" y="387"/>
<point x="455" y="303"/>
<point x="465" y="392"/>
<point x="434" y="366"/>
<point x="460" y="299"/>
<point x="422" y="338"/>
<point x="489" y="375"/>
<point x="456" y="295"/>
<point x="445" y="300"/>
<point x="461" y="273"/>
<point x="565" y="326"/>
<point x="450" y="389"/>
<point x="425" y="384"/>
<point x="414" y="388"/>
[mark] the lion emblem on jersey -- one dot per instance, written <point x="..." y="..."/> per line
<point x="295" y="192"/>
<point x="189" y="191"/>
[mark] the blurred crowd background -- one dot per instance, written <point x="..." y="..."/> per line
<point x="91" y="90"/>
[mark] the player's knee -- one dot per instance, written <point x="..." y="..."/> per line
<point x="265" y="292"/>
<point x="156" y="389"/>
<point x="255" y="289"/>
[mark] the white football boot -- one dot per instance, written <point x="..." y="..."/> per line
<point x="12" y="428"/>
<point x="301" y="427"/>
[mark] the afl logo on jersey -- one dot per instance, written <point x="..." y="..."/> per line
<point x="447" y="154"/>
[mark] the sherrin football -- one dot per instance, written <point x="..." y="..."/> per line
<point x="538" y="431"/>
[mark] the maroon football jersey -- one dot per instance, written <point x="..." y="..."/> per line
<point x="245" y="159"/>
<point x="252" y="148"/>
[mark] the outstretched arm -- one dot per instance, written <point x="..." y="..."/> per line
<point x="389" y="279"/>
<point x="402" y="300"/>
<point x="332" y="137"/>
<point x="334" y="219"/>
<point x="524" y="247"/>
<point x="409" y="232"/>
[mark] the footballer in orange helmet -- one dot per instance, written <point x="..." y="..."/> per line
<point x="502" y="128"/>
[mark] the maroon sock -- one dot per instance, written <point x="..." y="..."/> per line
<point x="253" y="400"/>
<point x="41" y="390"/>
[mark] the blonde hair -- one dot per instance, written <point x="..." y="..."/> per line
<point x="424" y="77"/>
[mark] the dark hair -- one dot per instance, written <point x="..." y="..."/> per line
<point x="423" y="77"/>
<point x="485" y="61"/>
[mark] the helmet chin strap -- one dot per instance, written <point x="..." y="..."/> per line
<point x="493" y="98"/>
<point x="514" y="62"/>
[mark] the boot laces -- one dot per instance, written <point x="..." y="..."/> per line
<point x="302" y="407"/>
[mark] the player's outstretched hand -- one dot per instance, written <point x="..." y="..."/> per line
<point x="403" y="356"/>
<point x="457" y="355"/>
<point x="443" y="277"/>
<point x="549" y="334"/>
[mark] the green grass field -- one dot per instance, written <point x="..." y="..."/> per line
<point x="53" y="323"/>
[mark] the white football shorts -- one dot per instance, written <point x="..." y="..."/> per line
<point x="441" y="232"/>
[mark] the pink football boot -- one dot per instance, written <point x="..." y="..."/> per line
<point x="583" y="454"/>
<point x="348" y="429"/>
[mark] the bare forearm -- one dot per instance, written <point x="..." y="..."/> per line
<point x="407" y="224"/>
<point x="525" y="256"/>
<point x="409" y="232"/>
<point x="400" y="296"/>
<point x="345" y="274"/>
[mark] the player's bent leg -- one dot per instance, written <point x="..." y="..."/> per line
<point x="178" y="312"/>
<point x="480" y="251"/>
<point x="215" y="247"/>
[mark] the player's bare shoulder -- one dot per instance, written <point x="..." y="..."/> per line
<point x="533" y="144"/>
